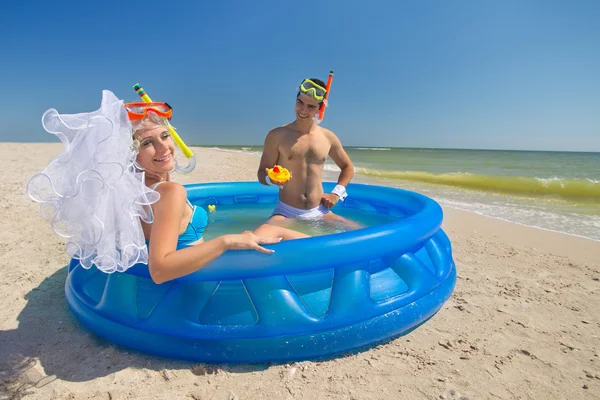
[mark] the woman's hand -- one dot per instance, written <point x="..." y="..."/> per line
<point x="248" y="240"/>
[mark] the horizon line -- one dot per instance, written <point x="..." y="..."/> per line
<point x="412" y="148"/>
<point x="363" y="146"/>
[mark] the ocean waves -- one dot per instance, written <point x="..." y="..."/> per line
<point x="568" y="188"/>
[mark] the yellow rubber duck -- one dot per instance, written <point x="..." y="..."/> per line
<point x="279" y="174"/>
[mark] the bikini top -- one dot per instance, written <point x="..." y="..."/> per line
<point x="196" y="226"/>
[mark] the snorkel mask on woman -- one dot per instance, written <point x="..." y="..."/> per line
<point x="164" y="110"/>
<point x="139" y="110"/>
<point x="147" y="116"/>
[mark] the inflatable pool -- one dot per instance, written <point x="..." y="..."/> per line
<point x="312" y="298"/>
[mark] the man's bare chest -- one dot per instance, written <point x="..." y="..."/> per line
<point x="310" y="150"/>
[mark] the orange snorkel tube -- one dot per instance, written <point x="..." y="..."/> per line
<point x="324" y="106"/>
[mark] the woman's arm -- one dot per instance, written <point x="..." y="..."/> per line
<point x="165" y="261"/>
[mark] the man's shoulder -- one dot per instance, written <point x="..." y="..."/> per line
<point x="280" y="130"/>
<point x="283" y="128"/>
<point x="328" y="133"/>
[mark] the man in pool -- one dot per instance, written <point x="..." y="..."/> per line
<point x="302" y="147"/>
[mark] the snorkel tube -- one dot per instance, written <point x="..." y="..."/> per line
<point x="324" y="106"/>
<point x="186" y="151"/>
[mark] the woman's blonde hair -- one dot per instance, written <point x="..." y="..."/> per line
<point x="139" y="125"/>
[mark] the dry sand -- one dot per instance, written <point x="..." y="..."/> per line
<point x="523" y="322"/>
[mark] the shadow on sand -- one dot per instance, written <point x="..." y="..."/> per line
<point x="49" y="336"/>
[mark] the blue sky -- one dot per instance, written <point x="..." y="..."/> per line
<point x="512" y="74"/>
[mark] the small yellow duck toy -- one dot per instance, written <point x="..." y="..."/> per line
<point x="279" y="174"/>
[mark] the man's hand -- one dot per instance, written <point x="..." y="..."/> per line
<point x="329" y="200"/>
<point x="278" y="183"/>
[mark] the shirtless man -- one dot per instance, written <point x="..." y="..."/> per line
<point x="302" y="147"/>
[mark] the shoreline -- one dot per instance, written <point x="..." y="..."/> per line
<point x="524" y="225"/>
<point x="522" y="321"/>
<point x="330" y="175"/>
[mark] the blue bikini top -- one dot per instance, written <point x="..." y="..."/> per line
<point x="196" y="226"/>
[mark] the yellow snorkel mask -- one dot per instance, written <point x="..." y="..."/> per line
<point x="310" y="88"/>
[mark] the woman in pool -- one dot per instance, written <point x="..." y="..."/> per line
<point x="177" y="247"/>
<point x="114" y="172"/>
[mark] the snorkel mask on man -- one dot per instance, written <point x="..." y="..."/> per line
<point x="319" y="93"/>
<point x="312" y="89"/>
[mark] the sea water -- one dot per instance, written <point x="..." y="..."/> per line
<point x="558" y="191"/>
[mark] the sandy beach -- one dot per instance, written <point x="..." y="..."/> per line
<point x="522" y="323"/>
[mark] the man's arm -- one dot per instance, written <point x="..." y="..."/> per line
<point x="270" y="156"/>
<point x="342" y="160"/>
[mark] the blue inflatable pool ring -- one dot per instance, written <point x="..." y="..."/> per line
<point x="312" y="298"/>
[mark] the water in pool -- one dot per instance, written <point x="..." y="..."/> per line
<point x="314" y="288"/>
<point x="228" y="219"/>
